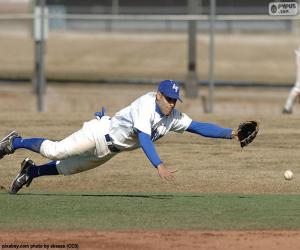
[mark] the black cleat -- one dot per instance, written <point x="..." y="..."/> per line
<point x="23" y="178"/>
<point x="6" y="146"/>
<point x="286" y="111"/>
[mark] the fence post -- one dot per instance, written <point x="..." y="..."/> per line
<point x="211" y="74"/>
<point x="192" y="79"/>
<point x="40" y="34"/>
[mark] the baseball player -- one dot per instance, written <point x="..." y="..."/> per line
<point x="140" y="124"/>
<point x="295" y="91"/>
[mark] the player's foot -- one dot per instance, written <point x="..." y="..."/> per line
<point x="286" y="111"/>
<point x="23" y="178"/>
<point x="6" y="146"/>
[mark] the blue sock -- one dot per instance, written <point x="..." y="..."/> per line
<point x="33" y="144"/>
<point x="46" y="169"/>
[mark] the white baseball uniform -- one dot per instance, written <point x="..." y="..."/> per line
<point x="89" y="147"/>
<point x="295" y="91"/>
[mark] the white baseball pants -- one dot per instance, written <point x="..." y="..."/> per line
<point x="81" y="151"/>
<point x="295" y="91"/>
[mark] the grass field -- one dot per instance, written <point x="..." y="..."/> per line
<point x="149" y="211"/>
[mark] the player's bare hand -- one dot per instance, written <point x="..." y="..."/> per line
<point x="234" y="135"/>
<point x="166" y="174"/>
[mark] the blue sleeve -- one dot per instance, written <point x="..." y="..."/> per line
<point x="148" y="148"/>
<point x="209" y="130"/>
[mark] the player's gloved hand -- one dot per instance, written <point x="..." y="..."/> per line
<point x="165" y="174"/>
<point x="247" y="132"/>
<point x="100" y="114"/>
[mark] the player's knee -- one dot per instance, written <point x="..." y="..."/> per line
<point x="52" y="150"/>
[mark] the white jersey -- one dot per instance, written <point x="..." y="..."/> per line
<point x="142" y="115"/>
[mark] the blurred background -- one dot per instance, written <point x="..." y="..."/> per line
<point x="208" y="45"/>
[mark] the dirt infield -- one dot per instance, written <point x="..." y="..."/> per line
<point x="246" y="240"/>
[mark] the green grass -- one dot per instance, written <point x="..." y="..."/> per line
<point x="117" y="211"/>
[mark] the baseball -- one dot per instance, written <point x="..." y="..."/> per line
<point x="288" y="175"/>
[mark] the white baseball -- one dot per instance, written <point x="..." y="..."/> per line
<point x="288" y="175"/>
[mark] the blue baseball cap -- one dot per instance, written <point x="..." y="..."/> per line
<point x="170" y="89"/>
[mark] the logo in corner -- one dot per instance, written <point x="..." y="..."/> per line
<point x="283" y="8"/>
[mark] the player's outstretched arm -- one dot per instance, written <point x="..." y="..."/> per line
<point x="165" y="174"/>
<point x="209" y="130"/>
<point x="245" y="133"/>
<point x="148" y="147"/>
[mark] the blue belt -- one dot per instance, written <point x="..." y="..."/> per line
<point x="110" y="145"/>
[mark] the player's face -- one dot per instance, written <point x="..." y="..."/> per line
<point x="166" y="104"/>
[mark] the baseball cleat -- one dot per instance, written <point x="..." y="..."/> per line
<point x="286" y="111"/>
<point x="23" y="178"/>
<point x="6" y="146"/>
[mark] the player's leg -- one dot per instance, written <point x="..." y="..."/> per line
<point x="78" y="164"/>
<point x="29" y="171"/>
<point x="298" y="64"/>
<point x="295" y="91"/>
<point x="78" y="143"/>
<point x="74" y="144"/>
<point x="72" y="165"/>
<point x="13" y="141"/>
<point x="288" y="107"/>
<point x="89" y="140"/>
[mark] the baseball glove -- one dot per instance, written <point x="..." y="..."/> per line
<point x="247" y="132"/>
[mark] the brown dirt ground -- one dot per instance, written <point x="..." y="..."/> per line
<point x="136" y="240"/>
